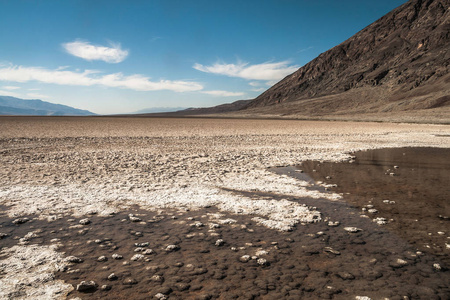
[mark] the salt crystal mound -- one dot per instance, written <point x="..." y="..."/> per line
<point x="27" y="273"/>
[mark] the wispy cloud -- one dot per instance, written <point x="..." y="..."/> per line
<point x="9" y="93"/>
<point x="223" y="93"/>
<point x="112" y="54"/>
<point x="135" y="82"/>
<point x="258" y="90"/>
<point x="255" y="83"/>
<point x="264" y="71"/>
<point x="305" y="49"/>
<point x="10" y="87"/>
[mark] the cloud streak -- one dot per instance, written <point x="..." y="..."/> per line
<point x="85" y="50"/>
<point x="10" y="87"/>
<point x="265" y="71"/>
<point x="223" y="93"/>
<point x="90" y="77"/>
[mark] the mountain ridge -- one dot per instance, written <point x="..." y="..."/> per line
<point x="382" y="64"/>
<point x="35" y="107"/>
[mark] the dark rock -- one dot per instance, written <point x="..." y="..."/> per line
<point x="129" y="281"/>
<point x="181" y="286"/>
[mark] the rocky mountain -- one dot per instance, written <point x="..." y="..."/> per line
<point x="399" y="63"/>
<point x="16" y="106"/>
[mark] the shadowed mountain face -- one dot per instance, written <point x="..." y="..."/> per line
<point x="15" y="106"/>
<point x="398" y="63"/>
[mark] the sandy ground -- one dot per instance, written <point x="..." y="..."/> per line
<point x="62" y="169"/>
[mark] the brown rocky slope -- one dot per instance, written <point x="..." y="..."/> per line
<point x="398" y="64"/>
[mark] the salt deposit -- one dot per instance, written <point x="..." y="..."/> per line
<point x="158" y="164"/>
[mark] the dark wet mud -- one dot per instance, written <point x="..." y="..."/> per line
<point x="314" y="261"/>
<point x="409" y="187"/>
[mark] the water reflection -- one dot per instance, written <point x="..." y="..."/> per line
<point x="410" y="187"/>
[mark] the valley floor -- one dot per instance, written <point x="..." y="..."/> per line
<point x="200" y="195"/>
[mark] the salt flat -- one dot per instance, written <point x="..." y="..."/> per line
<point x="55" y="168"/>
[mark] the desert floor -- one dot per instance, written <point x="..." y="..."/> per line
<point x="166" y="208"/>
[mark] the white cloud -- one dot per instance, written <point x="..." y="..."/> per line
<point x="9" y="93"/>
<point x="258" y="90"/>
<point x="90" y="77"/>
<point x="264" y="71"/>
<point x="223" y="93"/>
<point x="255" y="83"/>
<point x="113" y="54"/>
<point x="10" y="87"/>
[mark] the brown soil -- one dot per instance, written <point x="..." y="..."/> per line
<point x="311" y="262"/>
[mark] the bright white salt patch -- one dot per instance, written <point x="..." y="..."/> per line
<point x="27" y="273"/>
<point x="82" y="199"/>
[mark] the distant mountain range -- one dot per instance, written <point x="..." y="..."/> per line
<point x="193" y="111"/>
<point x="153" y="110"/>
<point x="15" y="106"/>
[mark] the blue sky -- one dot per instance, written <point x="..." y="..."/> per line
<point x="123" y="56"/>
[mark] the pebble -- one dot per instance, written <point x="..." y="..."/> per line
<point x="129" y="281"/>
<point x="73" y="259"/>
<point x="219" y="242"/>
<point x="105" y="287"/>
<point x="102" y="258"/>
<point x="85" y="221"/>
<point x="133" y="218"/>
<point x="334" y="224"/>
<point x="142" y="244"/>
<point x="157" y="278"/>
<point x="117" y="256"/>
<point x="331" y="250"/>
<point x="346" y="275"/>
<point x="262" y="262"/>
<point x="352" y="229"/>
<point x="372" y="211"/>
<point x="437" y="267"/>
<point x="398" y="263"/>
<point x="86" y="286"/>
<point x="181" y="286"/>
<point x="137" y="257"/>
<point x="172" y="248"/>
<point x="214" y="225"/>
<point x="380" y="221"/>
<point x="3" y="235"/>
<point x="112" y="277"/>
<point x="244" y="258"/>
<point x="148" y="252"/>
<point x="20" y="220"/>
<point x="160" y="296"/>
